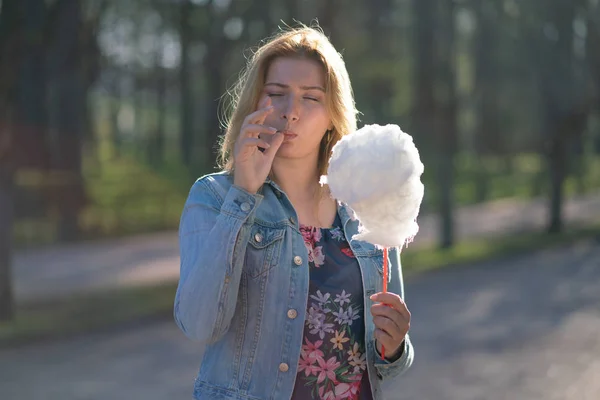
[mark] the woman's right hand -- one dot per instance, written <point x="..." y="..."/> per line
<point x="251" y="164"/>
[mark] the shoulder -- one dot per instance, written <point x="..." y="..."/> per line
<point x="212" y="186"/>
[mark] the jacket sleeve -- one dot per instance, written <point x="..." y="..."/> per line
<point x="213" y="235"/>
<point x="385" y="368"/>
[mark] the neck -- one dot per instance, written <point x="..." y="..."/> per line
<point x="295" y="179"/>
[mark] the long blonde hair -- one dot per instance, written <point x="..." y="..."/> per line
<point x="303" y="41"/>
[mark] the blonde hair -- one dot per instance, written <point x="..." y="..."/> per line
<point x="305" y="42"/>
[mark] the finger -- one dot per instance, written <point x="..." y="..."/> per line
<point x="385" y="339"/>
<point x="264" y="103"/>
<point x="392" y="300"/>
<point x="388" y="313"/>
<point x="382" y="310"/>
<point x="255" y="129"/>
<point x="388" y="325"/>
<point x="258" y="116"/>
<point x="276" y="141"/>
<point x="249" y="142"/>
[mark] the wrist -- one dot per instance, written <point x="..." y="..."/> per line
<point x="396" y="354"/>
<point x="245" y="186"/>
<point x="391" y="355"/>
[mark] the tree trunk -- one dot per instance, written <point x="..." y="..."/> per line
<point x="327" y="20"/>
<point x="293" y="9"/>
<point x="6" y="224"/>
<point x="446" y="130"/>
<point x="214" y="90"/>
<point x="561" y="103"/>
<point x="114" y="109"/>
<point x="424" y="79"/>
<point x="31" y="101"/>
<point x="381" y="86"/>
<point x="71" y="103"/>
<point x="485" y="76"/>
<point x="10" y="56"/>
<point x="186" y="117"/>
<point x="593" y="60"/>
<point x="161" y="104"/>
<point x="557" y="170"/>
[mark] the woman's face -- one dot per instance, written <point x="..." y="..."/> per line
<point x="296" y="88"/>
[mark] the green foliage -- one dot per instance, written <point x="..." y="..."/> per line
<point x="129" y="197"/>
<point x="88" y="312"/>
<point x="416" y="260"/>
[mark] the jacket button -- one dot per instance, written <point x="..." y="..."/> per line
<point x="298" y="260"/>
<point x="293" y="220"/>
<point x="258" y="237"/>
<point x="292" y="313"/>
<point x="283" y="367"/>
<point x="245" y="207"/>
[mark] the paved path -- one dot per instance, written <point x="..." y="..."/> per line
<point x="147" y="259"/>
<point x="520" y="329"/>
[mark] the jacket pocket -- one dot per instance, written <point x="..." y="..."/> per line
<point x="263" y="251"/>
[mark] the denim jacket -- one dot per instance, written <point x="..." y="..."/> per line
<point x="243" y="290"/>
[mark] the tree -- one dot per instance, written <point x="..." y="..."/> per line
<point x="446" y="128"/>
<point x="185" y="87"/>
<point x="424" y="75"/>
<point x="486" y="77"/>
<point x="23" y="116"/>
<point x="74" y="62"/>
<point x="564" y="101"/>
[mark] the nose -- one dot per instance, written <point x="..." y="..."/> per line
<point x="291" y="110"/>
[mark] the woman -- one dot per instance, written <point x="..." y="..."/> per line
<point x="286" y="305"/>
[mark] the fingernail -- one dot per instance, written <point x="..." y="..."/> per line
<point x="372" y="297"/>
<point x="274" y="130"/>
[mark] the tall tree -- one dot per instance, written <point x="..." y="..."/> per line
<point x="327" y="18"/>
<point x="219" y="45"/>
<point x="381" y="82"/>
<point x="446" y="128"/>
<point x="486" y="103"/>
<point x="71" y="81"/>
<point x="185" y="87"/>
<point x="563" y="98"/>
<point x="23" y="115"/>
<point x="10" y="25"/>
<point x="424" y="74"/>
<point x="592" y="45"/>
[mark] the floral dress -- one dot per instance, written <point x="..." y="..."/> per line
<point x="332" y="360"/>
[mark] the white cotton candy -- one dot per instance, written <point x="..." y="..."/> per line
<point x="377" y="172"/>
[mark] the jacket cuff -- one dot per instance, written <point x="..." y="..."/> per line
<point x="240" y="204"/>
<point x="389" y="369"/>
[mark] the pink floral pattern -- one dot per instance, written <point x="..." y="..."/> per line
<point x="332" y="358"/>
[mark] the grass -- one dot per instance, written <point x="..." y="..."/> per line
<point x="125" y="197"/>
<point x="105" y="310"/>
<point x="129" y="196"/>
<point x="87" y="313"/>
<point x="418" y="260"/>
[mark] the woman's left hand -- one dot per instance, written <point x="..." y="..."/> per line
<point x="392" y="322"/>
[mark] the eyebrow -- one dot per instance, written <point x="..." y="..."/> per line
<point x="281" y="85"/>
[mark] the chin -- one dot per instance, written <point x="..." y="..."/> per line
<point x="286" y="151"/>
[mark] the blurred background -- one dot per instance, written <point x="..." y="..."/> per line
<point x="109" y="110"/>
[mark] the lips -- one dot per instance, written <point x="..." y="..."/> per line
<point x="288" y="135"/>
